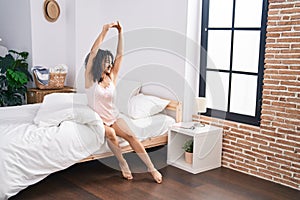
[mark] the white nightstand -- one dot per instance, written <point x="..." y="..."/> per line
<point x="207" y="147"/>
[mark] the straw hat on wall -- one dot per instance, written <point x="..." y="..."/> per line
<point x="51" y="10"/>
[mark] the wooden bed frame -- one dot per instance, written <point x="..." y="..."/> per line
<point x="175" y="106"/>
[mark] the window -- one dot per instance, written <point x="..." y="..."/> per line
<point x="232" y="58"/>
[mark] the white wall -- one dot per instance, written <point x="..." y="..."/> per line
<point x="192" y="65"/>
<point x="15" y="26"/>
<point x="160" y="38"/>
<point x="154" y="35"/>
<point x="24" y="28"/>
<point x="49" y="40"/>
<point x="71" y="44"/>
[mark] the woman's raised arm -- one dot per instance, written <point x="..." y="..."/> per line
<point x="119" y="53"/>
<point x="93" y="53"/>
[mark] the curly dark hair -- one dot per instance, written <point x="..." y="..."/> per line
<point x="97" y="63"/>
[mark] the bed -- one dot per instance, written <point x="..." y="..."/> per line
<point x="39" y="139"/>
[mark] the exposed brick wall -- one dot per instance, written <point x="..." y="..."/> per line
<point x="272" y="151"/>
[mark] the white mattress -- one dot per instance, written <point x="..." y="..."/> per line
<point x="29" y="153"/>
<point x="143" y="128"/>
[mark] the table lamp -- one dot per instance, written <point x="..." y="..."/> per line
<point x="200" y="107"/>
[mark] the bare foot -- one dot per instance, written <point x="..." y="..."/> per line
<point x="126" y="171"/>
<point x="156" y="175"/>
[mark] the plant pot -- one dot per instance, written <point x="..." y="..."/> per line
<point x="188" y="157"/>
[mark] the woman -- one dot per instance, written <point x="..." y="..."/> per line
<point x="100" y="80"/>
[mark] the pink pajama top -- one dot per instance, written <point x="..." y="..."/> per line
<point x="101" y="100"/>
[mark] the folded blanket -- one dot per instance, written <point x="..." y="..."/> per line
<point x="59" y="107"/>
<point x="41" y="74"/>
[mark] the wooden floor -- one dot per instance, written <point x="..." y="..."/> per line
<point x="94" y="180"/>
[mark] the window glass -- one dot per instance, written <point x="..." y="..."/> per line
<point x="248" y="13"/>
<point x="220" y="13"/>
<point x="243" y="94"/>
<point x="218" y="50"/>
<point x="246" y="51"/>
<point x="217" y="90"/>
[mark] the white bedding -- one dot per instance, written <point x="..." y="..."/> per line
<point x="31" y="151"/>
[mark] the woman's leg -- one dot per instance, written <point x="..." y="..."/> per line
<point x="124" y="131"/>
<point x="114" y="146"/>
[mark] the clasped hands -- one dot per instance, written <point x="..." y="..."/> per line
<point x="116" y="25"/>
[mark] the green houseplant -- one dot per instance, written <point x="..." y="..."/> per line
<point x="14" y="76"/>
<point x="188" y="148"/>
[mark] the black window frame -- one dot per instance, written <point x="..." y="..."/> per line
<point x="252" y="120"/>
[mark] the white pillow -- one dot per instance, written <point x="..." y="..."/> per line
<point x="141" y="106"/>
<point x="125" y="90"/>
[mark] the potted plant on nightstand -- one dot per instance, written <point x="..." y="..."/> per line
<point x="14" y="76"/>
<point x="188" y="150"/>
